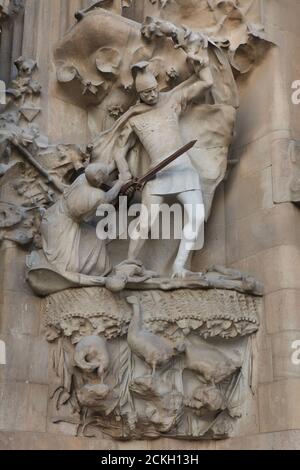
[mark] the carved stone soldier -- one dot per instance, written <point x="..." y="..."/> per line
<point x="160" y="123"/>
<point x="154" y="122"/>
<point x="159" y="132"/>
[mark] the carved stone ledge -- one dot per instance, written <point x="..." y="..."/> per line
<point x="210" y="313"/>
<point x="196" y="343"/>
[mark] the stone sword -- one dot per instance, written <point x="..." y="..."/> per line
<point x="138" y="183"/>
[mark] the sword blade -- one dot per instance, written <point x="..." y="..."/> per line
<point x="151" y="173"/>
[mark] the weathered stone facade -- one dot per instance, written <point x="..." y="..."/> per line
<point x="254" y="227"/>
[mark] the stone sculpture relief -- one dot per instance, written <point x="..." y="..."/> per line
<point x="180" y="86"/>
<point x="70" y="246"/>
<point x="10" y="7"/>
<point x="140" y="365"/>
<point x="137" y="353"/>
<point x="4" y="8"/>
<point x="33" y="172"/>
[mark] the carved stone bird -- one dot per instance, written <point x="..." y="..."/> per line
<point x="93" y="395"/>
<point x="91" y="355"/>
<point x="210" y="363"/>
<point x="154" y="350"/>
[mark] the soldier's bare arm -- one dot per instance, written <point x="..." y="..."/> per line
<point x="201" y="85"/>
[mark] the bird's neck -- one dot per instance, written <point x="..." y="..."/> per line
<point x="136" y="322"/>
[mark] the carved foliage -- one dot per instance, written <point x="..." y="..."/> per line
<point x="32" y="172"/>
<point x="209" y="313"/>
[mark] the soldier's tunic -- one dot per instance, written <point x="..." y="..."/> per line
<point x="159" y="132"/>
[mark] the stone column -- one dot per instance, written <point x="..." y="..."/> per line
<point x="11" y="36"/>
<point x="45" y="23"/>
<point x="24" y="379"/>
<point x="262" y="228"/>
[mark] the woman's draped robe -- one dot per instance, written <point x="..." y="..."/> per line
<point x="70" y="245"/>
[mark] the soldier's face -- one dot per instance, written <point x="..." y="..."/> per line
<point x="150" y="96"/>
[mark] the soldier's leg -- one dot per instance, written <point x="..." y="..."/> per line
<point x="193" y="232"/>
<point x="143" y="224"/>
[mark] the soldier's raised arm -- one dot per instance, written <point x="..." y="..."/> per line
<point x="203" y="81"/>
<point x="194" y="44"/>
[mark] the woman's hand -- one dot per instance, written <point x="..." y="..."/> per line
<point x="125" y="177"/>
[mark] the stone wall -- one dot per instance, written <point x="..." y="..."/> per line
<point x="252" y="228"/>
<point x="263" y="237"/>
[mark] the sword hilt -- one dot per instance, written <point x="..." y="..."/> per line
<point x="138" y="183"/>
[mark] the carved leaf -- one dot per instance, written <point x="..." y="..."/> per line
<point x="108" y="61"/>
<point x="66" y="73"/>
